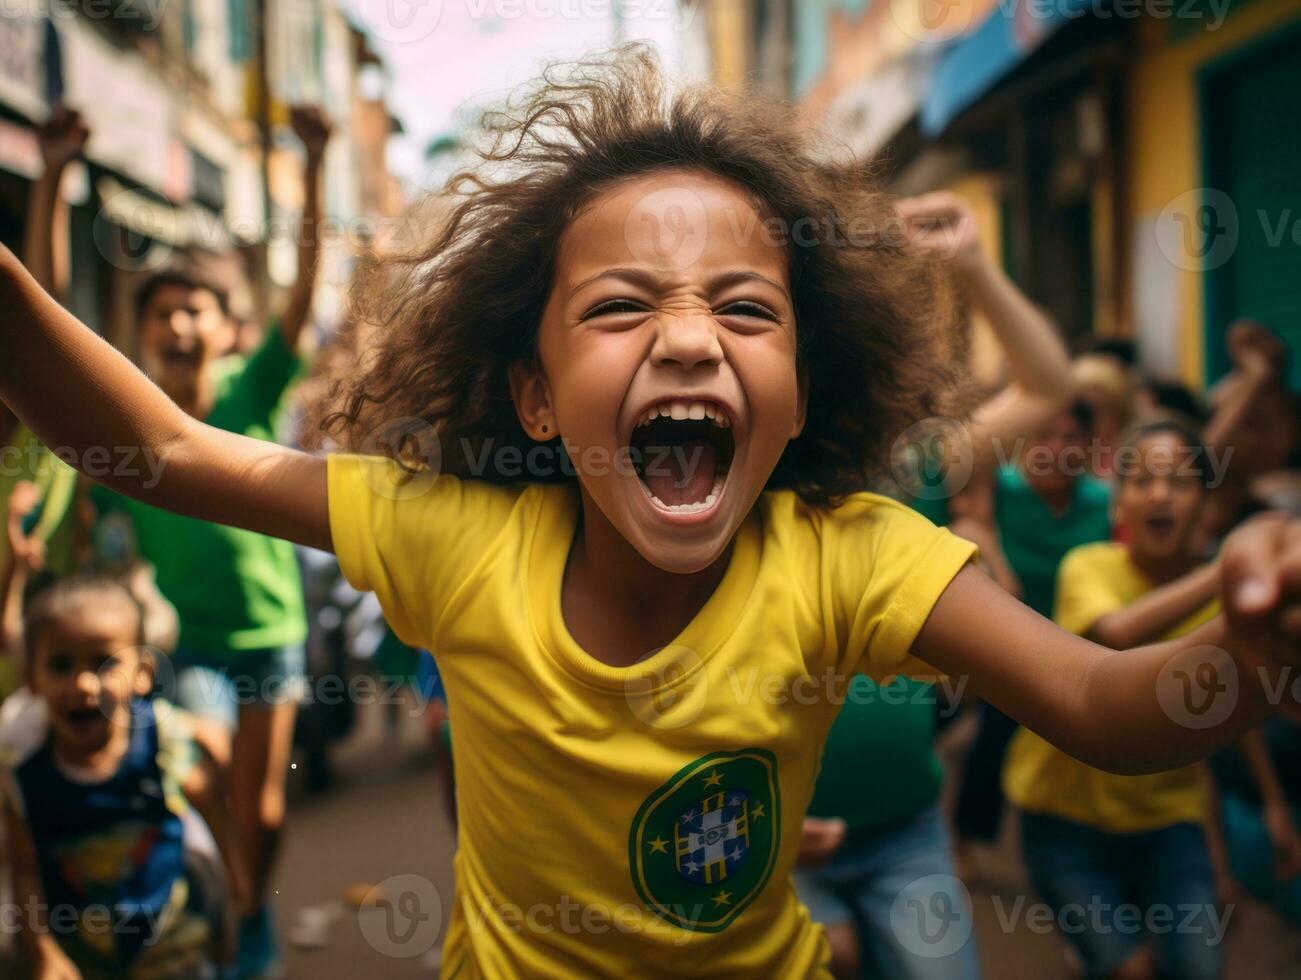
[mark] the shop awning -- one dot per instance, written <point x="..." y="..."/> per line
<point x="973" y="65"/>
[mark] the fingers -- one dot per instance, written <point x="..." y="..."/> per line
<point x="310" y="121"/>
<point x="935" y="204"/>
<point x="1251" y="572"/>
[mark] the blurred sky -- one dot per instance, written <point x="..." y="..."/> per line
<point x="447" y="57"/>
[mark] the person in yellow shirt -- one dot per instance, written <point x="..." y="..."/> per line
<point x="1098" y="844"/>
<point x="661" y="352"/>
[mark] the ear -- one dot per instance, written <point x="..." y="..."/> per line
<point x="143" y="685"/>
<point x="532" y="396"/>
<point x="801" y="400"/>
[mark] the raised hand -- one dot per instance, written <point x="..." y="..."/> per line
<point x="27" y="550"/>
<point x="313" y="127"/>
<point x="62" y="137"/>
<point x="1254" y="349"/>
<point x="942" y="223"/>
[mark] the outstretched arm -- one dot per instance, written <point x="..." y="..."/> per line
<point x="106" y="407"/>
<point x="313" y="128"/>
<point x="1148" y="709"/>
<point x="1159" y="611"/>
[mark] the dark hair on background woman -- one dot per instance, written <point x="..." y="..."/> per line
<point x="875" y="320"/>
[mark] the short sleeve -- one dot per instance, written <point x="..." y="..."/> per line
<point x="411" y="537"/>
<point x="892" y="567"/>
<point x="1085" y="589"/>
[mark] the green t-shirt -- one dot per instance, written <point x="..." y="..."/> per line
<point x="878" y="766"/>
<point x="1035" y="540"/>
<point x="233" y="590"/>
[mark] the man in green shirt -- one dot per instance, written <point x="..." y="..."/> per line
<point x="240" y="656"/>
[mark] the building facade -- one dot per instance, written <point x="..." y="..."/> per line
<point x="1135" y="163"/>
<point x="191" y="161"/>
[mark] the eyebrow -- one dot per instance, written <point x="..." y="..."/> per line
<point x="648" y="280"/>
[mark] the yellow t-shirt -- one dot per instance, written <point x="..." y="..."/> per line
<point x="1094" y="580"/>
<point x="643" y="820"/>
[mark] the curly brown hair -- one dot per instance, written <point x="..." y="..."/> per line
<point x="874" y="319"/>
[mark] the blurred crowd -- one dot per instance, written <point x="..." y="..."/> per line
<point x="1097" y="494"/>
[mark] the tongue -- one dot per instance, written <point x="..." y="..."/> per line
<point x="682" y="474"/>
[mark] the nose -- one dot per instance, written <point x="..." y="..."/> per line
<point x="688" y="340"/>
<point x="181" y="323"/>
<point x="1159" y="489"/>
<point x="87" y="682"/>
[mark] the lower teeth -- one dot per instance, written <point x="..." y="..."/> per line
<point x="697" y="507"/>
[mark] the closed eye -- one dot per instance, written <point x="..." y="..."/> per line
<point x="747" y="308"/>
<point x="614" y="306"/>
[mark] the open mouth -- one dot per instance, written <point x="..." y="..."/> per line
<point x="682" y="451"/>
<point x="1159" y="526"/>
<point x="83" y="718"/>
<point x="182" y="359"/>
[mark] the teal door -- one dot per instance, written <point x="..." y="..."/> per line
<point x="1251" y="132"/>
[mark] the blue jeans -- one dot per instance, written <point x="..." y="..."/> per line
<point x="1251" y="855"/>
<point x="216" y="687"/>
<point x="886" y="885"/>
<point x="1113" y="893"/>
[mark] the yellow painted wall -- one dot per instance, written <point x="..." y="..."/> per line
<point x="1164" y="158"/>
<point x="981" y="191"/>
<point x="729" y="28"/>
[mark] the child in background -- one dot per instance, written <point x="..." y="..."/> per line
<point x="1094" y="837"/>
<point x="240" y="658"/>
<point x="97" y="777"/>
<point x="656" y="427"/>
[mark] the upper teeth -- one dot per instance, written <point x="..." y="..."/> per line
<point x="680" y="410"/>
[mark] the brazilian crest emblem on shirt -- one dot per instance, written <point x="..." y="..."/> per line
<point x="704" y="844"/>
